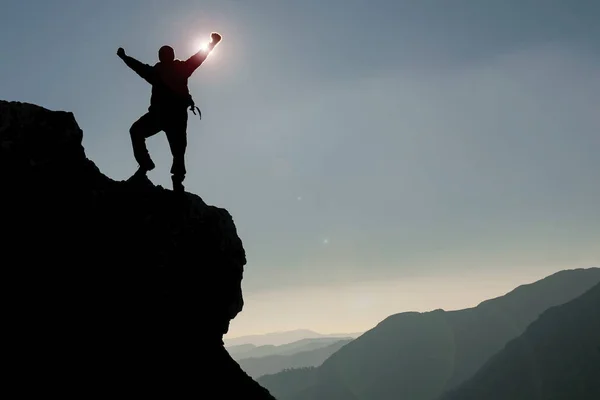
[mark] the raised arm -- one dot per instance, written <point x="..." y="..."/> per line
<point x="143" y="70"/>
<point x="197" y="59"/>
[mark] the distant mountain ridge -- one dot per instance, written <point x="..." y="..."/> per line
<point x="244" y="351"/>
<point x="419" y="356"/>
<point x="281" y="338"/>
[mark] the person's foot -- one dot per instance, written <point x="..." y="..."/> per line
<point x="139" y="176"/>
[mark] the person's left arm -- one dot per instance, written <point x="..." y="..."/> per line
<point x="197" y="59"/>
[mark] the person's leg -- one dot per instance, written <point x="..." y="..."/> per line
<point x="176" y="132"/>
<point x="146" y="126"/>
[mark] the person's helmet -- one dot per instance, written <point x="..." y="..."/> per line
<point x="166" y="54"/>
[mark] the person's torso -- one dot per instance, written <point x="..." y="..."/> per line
<point x="170" y="88"/>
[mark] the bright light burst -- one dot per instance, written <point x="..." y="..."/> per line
<point x="203" y="46"/>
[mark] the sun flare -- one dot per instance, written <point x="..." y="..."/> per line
<point x="202" y="46"/>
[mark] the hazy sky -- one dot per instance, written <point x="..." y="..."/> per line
<point x="377" y="156"/>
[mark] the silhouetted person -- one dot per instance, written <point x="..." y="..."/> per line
<point x="168" y="105"/>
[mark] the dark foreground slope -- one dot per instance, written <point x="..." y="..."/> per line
<point x="419" y="356"/>
<point x="557" y="358"/>
<point x="122" y="288"/>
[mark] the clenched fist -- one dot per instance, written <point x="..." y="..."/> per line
<point x="215" y="38"/>
<point x="121" y="52"/>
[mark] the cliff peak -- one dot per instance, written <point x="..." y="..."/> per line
<point x="112" y="286"/>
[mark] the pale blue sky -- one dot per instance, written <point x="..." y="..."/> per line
<point x="352" y="141"/>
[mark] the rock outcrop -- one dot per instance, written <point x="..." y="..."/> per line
<point x="111" y="287"/>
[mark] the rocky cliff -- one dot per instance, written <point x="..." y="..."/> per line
<point x="114" y="287"/>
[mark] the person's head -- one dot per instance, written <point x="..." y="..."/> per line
<point x="166" y="54"/>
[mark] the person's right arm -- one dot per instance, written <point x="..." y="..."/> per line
<point x="143" y="70"/>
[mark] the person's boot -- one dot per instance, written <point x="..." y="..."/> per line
<point x="143" y="168"/>
<point x="177" y="183"/>
<point x="147" y="165"/>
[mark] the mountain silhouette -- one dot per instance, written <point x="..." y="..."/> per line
<point x="271" y="364"/>
<point x="112" y="288"/>
<point x="292" y="383"/>
<point x="241" y="349"/>
<point x="556" y="358"/>
<point x="420" y="356"/>
<point x="244" y="351"/>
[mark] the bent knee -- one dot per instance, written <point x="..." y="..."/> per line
<point x="135" y="131"/>
<point x="139" y="127"/>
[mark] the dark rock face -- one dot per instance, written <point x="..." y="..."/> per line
<point x="111" y="287"/>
